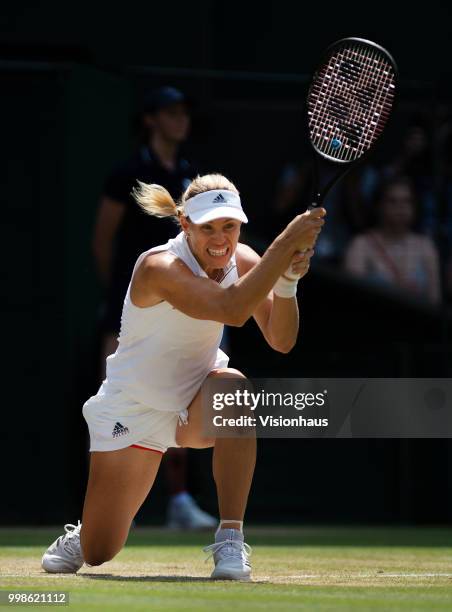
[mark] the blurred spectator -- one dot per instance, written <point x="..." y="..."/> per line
<point x="391" y="253"/>
<point x="445" y="205"/>
<point x="123" y="231"/>
<point x="449" y="280"/>
<point x="415" y="161"/>
<point x="444" y="191"/>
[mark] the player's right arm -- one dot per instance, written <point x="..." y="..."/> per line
<point x="162" y="276"/>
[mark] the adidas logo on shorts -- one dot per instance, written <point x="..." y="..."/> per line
<point x="119" y="430"/>
<point x="220" y="199"/>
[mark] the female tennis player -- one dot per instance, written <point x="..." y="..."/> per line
<point x="180" y="296"/>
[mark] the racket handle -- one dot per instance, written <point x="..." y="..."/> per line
<point x="317" y="201"/>
<point x="311" y="207"/>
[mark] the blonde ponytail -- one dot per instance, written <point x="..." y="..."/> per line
<point x="155" y="200"/>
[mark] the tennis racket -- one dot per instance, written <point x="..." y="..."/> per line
<point x="349" y="102"/>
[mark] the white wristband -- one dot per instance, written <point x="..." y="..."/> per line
<point x="285" y="288"/>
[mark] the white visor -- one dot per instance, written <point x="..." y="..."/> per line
<point x="214" y="204"/>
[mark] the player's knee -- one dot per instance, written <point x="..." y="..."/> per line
<point x="93" y="560"/>
<point x="98" y="557"/>
<point x="237" y="422"/>
<point x="96" y="553"/>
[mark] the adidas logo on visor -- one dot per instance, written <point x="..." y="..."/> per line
<point x="220" y="199"/>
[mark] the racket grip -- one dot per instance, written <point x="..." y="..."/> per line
<point x="310" y="207"/>
<point x="317" y="200"/>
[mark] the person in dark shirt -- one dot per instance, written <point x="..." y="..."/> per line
<point x="122" y="232"/>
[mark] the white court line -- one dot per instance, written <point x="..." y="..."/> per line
<point x="376" y="575"/>
<point x="440" y="575"/>
<point x="30" y="575"/>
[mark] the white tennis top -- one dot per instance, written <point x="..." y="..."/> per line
<point x="163" y="355"/>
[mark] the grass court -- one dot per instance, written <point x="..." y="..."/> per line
<point x="308" y="568"/>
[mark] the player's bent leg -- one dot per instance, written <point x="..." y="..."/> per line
<point x="191" y="435"/>
<point x="233" y="466"/>
<point x="119" y="482"/>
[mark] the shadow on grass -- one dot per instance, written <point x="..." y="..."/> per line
<point x="160" y="578"/>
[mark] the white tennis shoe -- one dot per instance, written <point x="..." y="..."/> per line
<point x="186" y="514"/>
<point x="64" y="556"/>
<point x="230" y="557"/>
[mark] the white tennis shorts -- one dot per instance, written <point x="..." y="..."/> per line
<point x="116" y="421"/>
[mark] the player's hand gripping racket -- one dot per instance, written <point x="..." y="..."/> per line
<point x="349" y="103"/>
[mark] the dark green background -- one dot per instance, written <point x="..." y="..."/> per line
<point x="72" y="74"/>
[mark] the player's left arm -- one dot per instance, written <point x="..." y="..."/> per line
<point x="276" y="317"/>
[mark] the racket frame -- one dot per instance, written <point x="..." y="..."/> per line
<point x="346" y="165"/>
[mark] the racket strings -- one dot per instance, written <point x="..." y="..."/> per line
<point x="337" y="104"/>
<point x="349" y="118"/>
<point x="348" y="104"/>
<point x="350" y="101"/>
<point x="381" y="82"/>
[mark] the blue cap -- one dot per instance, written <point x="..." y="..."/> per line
<point x="161" y="97"/>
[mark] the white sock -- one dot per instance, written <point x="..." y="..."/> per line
<point x="228" y="534"/>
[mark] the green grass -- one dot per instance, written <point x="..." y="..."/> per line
<point x="314" y="568"/>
